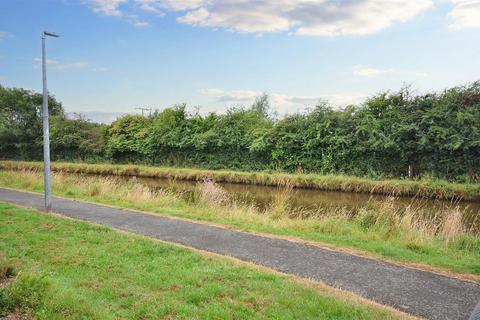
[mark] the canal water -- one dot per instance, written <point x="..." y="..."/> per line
<point x="310" y="200"/>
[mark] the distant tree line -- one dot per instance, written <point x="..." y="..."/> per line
<point x="436" y="134"/>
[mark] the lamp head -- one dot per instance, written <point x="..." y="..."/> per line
<point x="50" y="34"/>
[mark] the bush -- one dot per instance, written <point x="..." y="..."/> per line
<point x="389" y="135"/>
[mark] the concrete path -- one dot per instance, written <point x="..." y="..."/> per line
<point x="416" y="292"/>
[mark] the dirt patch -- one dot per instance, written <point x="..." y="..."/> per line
<point x="6" y="277"/>
<point x="3" y="283"/>
<point x="46" y="226"/>
<point x="15" y="316"/>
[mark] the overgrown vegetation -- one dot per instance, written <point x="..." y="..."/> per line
<point x="420" y="188"/>
<point x="434" y="134"/>
<point x="412" y="235"/>
<point x="73" y="270"/>
<point x="21" y="125"/>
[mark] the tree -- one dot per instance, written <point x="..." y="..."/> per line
<point x="21" y="123"/>
<point x="77" y="139"/>
<point x="126" y="138"/>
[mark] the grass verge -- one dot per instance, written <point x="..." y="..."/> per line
<point x="74" y="270"/>
<point x="427" y="188"/>
<point x="439" y="242"/>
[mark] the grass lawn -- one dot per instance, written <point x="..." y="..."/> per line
<point x="379" y="233"/>
<point x="73" y="270"/>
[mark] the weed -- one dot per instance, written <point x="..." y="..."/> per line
<point x="424" y="188"/>
<point x="441" y="239"/>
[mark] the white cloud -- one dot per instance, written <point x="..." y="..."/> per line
<point x="281" y="102"/>
<point x="157" y="6"/>
<point x="242" y="17"/>
<point x="4" y="35"/>
<point x="465" y="14"/>
<point x="98" y="116"/>
<point x="56" y="65"/>
<point x="364" y="71"/>
<point x="100" y="69"/>
<point x="72" y="65"/>
<point x="301" y="17"/>
<point x="135" y="21"/>
<point x="211" y="91"/>
<point x="49" y="61"/>
<point x="111" y="8"/>
<point x="140" y="24"/>
<point x="304" y="17"/>
<point x="149" y="5"/>
<point x="107" y="7"/>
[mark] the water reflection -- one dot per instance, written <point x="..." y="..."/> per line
<point x="309" y="200"/>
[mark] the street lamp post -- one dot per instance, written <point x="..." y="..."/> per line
<point x="46" y="135"/>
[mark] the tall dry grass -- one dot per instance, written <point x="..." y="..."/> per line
<point x="97" y="187"/>
<point x="426" y="188"/>
<point x="452" y="227"/>
<point x="413" y="224"/>
<point x="280" y="206"/>
<point x="211" y="194"/>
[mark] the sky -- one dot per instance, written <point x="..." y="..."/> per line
<point x="117" y="55"/>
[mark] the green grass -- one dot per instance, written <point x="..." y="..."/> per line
<point x="428" y="188"/>
<point x="376" y="231"/>
<point x="73" y="270"/>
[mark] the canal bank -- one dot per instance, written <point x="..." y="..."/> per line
<point x="381" y="232"/>
<point x="426" y="188"/>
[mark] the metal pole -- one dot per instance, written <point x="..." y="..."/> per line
<point x="46" y="134"/>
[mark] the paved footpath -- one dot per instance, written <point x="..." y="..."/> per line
<point x="416" y="292"/>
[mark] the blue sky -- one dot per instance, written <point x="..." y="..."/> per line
<point x="115" y="55"/>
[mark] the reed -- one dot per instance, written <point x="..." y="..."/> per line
<point x="213" y="195"/>
<point x="280" y="207"/>
<point x="426" y="188"/>
<point x="412" y="234"/>
<point x="452" y="228"/>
